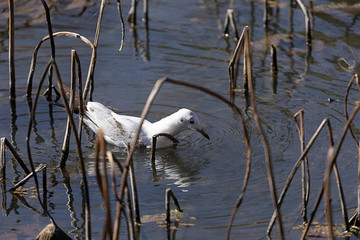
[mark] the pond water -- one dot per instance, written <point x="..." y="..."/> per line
<point x="184" y="41"/>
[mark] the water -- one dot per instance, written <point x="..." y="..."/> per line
<point x="184" y="41"/>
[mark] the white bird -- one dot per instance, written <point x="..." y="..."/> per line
<point x="120" y="130"/>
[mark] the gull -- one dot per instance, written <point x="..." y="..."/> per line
<point x="120" y="130"/>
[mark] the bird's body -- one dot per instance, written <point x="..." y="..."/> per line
<point x="120" y="130"/>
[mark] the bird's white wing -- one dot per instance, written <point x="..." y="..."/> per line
<point x="128" y="126"/>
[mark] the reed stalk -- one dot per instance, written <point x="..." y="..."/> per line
<point x="305" y="170"/>
<point x="12" y="87"/>
<point x="169" y="194"/>
<point x="230" y="21"/>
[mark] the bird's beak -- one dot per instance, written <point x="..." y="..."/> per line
<point x="200" y="130"/>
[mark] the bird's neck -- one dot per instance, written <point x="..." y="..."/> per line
<point x="168" y="125"/>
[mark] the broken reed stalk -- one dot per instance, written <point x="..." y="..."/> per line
<point x="268" y="160"/>
<point x="102" y="178"/>
<point x="305" y="171"/>
<point x="36" y="49"/>
<point x="234" y="61"/>
<point x="153" y="145"/>
<point x="27" y="177"/>
<point x="147" y="106"/>
<point x="12" y="89"/>
<point x="356" y="78"/>
<point x="230" y="20"/>
<point x="332" y="161"/>
<point x="169" y="194"/>
<point x="5" y="143"/>
<point x="307" y="21"/>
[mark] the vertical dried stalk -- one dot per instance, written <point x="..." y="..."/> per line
<point x="2" y="159"/>
<point x="65" y="147"/>
<point x="307" y="21"/>
<point x="103" y="181"/>
<point x="356" y="78"/>
<point x="304" y="165"/>
<point x="123" y="25"/>
<point x="146" y="10"/>
<point x="230" y="20"/>
<point x="132" y="13"/>
<point x="11" y="51"/>
<point x="52" y="46"/>
<point x="327" y="194"/>
<point x="90" y="77"/>
<point x="268" y="160"/>
<point x="266" y="13"/>
<point x="44" y="188"/>
<point x="134" y="192"/>
<point x="274" y="67"/>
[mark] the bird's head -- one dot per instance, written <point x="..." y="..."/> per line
<point x="189" y="120"/>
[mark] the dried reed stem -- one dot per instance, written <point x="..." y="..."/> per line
<point x="12" y="88"/>
<point x="122" y="25"/>
<point x="134" y="192"/>
<point x="2" y="159"/>
<point x="102" y="179"/>
<point x="234" y="61"/>
<point x="65" y="148"/>
<point x="52" y="46"/>
<point x="230" y="20"/>
<point x="132" y="13"/>
<point x="34" y="57"/>
<point x="153" y="145"/>
<point x="356" y="78"/>
<point x="25" y="179"/>
<point x="45" y="188"/>
<point x="305" y="164"/>
<point x="169" y="194"/>
<point x="268" y="160"/>
<point x="307" y="21"/>
<point x="146" y="11"/>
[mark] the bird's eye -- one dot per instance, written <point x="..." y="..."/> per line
<point x="192" y="121"/>
<point x="181" y="120"/>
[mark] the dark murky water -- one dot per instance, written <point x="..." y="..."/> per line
<point x="184" y="41"/>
